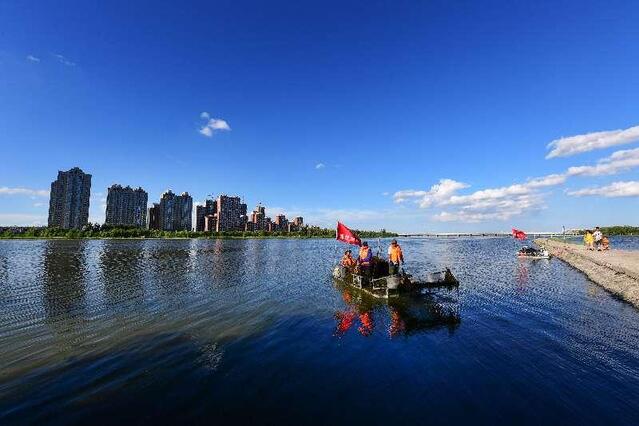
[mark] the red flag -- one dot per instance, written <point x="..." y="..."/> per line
<point x="346" y="235"/>
<point x="519" y="235"/>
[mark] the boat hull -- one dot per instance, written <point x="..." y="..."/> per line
<point x="394" y="285"/>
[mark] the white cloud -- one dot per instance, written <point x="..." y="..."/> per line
<point x="32" y="58"/>
<point x="63" y="60"/>
<point x="213" y="125"/>
<point x="38" y="204"/>
<point x="206" y="131"/>
<point x="218" y="124"/>
<point x="573" y="145"/>
<point x="24" y="191"/>
<point x="467" y="217"/>
<point x="320" y="166"/>
<point x="19" y="219"/>
<point x="488" y="204"/>
<point x="437" y="194"/>
<point x="619" y="161"/>
<point x="615" y="189"/>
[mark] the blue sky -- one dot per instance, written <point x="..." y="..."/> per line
<point x="412" y="116"/>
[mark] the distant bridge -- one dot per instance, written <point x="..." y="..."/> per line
<point x="491" y="234"/>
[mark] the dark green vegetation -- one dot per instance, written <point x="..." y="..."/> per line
<point x="620" y="230"/>
<point x="105" y="231"/>
<point x="617" y="230"/>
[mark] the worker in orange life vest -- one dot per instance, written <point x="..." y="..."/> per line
<point x="395" y="257"/>
<point x="347" y="260"/>
<point x="365" y="259"/>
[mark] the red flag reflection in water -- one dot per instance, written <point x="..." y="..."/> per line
<point x="344" y="322"/>
<point x="367" y="324"/>
<point x="397" y="323"/>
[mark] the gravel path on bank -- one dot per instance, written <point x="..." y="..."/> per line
<point x="616" y="270"/>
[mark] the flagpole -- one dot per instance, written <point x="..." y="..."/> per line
<point x="335" y="242"/>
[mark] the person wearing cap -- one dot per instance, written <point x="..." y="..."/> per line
<point x="395" y="258"/>
<point x="365" y="259"/>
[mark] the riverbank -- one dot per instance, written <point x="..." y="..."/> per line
<point x="616" y="270"/>
<point x="104" y="232"/>
<point x="215" y="237"/>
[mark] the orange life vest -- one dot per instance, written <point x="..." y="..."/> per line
<point x="395" y="253"/>
<point x="348" y="261"/>
<point x="364" y="258"/>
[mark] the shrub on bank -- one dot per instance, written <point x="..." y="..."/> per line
<point x="106" y="231"/>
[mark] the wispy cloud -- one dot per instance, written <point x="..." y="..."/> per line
<point x="32" y="58"/>
<point x="63" y="60"/>
<point x="212" y="125"/>
<point x="437" y="194"/>
<point x="320" y="166"/>
<point x="488" y="204"/>
<point x="24" y="191"/>
<point x="618" y="162"/>
<point x="615" y="189"/>
<point x="20" y="219"/>
<point x="573" y="145"/>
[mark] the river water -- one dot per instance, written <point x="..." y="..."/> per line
<point x="206" y="331"/>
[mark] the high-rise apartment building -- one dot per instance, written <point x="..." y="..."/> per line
<point x="154" y="216"/>
<point x="280" y="223"/>
<point x="69" y="199"/>
<point x="175" y="211"/>
<point x="296" y="225"/>
<point x="201" y="212"/>
<point x="126" y="206"/>
<point x="257" y="220"/>
<point x="231" y="214"/>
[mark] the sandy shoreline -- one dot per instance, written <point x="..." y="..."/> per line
<point x="616" y="270"/>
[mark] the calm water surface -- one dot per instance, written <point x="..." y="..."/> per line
<point x="200" y="331"/>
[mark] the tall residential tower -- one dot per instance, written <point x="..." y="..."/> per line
<point x="69" y="199"/>
<point x="175" y="212"/>
<point x="126" y="206"/>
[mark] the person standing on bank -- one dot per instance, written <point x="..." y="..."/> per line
<point x="589" y="240"/>
<point x="597" y="235"/>
<point x="395" y="258"/>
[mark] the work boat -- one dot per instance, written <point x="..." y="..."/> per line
<point x="383" y="285"/>
<point x="533" y="253"/>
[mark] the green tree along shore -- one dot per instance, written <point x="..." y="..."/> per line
<point x="620" y="230"/>
<point x="104" y="231"/>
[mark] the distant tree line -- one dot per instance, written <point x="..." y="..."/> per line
<point x="107" y="231"/>
<point x="617" y="230"/>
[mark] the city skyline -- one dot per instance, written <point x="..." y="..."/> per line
<point x="409" y="117"/>
<point x="125" y="206"/>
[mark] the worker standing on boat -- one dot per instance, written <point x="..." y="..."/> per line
<point x="365" y="259"/>
<point x="395" y="257"/>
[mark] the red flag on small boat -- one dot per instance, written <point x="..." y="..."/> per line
<point x="519" y="235"/>
<point x="346" y="235"/>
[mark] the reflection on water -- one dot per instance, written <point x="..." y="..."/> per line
<point x="121" y="272"/>
<point x="64" y="286"/>
<point x="186" y="330"/>
<point x="402" y="316"/>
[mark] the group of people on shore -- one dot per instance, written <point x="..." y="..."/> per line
<point x="364" y="259"/>
<point x="596" y="240"/>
